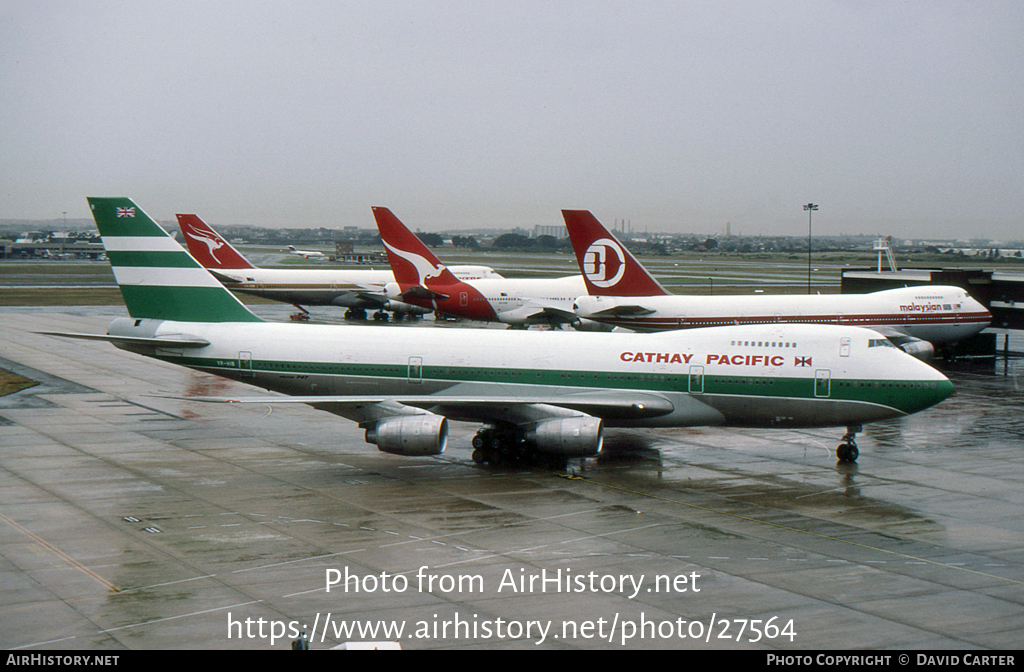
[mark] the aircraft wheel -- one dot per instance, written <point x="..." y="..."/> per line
<point x="847" y="452"/>
<point x="478" y="456"/>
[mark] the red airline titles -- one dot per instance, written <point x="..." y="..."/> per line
<point x="732" y="360"/>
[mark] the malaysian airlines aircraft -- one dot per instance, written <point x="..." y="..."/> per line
<point x="356" y="289"/>
<point x="624" y="294"/>
<point x="421" y="279"/>
<point x="535" y="392"/>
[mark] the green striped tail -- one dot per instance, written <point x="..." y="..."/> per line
<point x="157" y="277"/>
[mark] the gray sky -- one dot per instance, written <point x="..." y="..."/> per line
<point x="895" y="117"/>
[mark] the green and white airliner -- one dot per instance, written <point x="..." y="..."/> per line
<point x="534" y="392"/>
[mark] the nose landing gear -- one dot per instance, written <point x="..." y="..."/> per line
<point x="847" y="451"/>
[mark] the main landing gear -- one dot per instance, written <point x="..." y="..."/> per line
<point x="499" y="446"/>
<point x="847" y="451"/>
<point x="301" y="316"/>
<point x="505" y="446"/>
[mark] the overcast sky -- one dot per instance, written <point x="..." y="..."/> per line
<point x="895" y="117"/>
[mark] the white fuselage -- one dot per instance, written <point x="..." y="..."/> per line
<point x="314" y="286"/>
<point x="777" y="375"/>
<point x="517" y="301"/>
<point x="938" y="314"/>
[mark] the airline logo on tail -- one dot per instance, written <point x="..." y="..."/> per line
<point x="424" y="268"/>
<point x="212" y="244"/>
<point x="608" y="267"/>
<point x="416" y="263"/>
<point x="604" y="263"/>
<point x="203" y="242"/>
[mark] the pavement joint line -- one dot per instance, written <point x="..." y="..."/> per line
<point x="67" y="558"/>
<point x="49" y="641"/>
<point x="290" y="562"/>
<point x="168" y="583"/>
<point x="171" y="618"/>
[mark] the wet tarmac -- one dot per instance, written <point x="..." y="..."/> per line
<point x="130" y="520"/>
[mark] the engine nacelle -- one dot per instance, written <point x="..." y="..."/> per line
<point x="919" y="349"/>
<point x="571" y="437"/>
<point x="914" y="346"/>
<point x="402" y="307"/>
<point x="410" y="435"/>
<point x="584" y="324"/>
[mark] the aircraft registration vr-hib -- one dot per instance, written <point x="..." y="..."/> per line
<point x="534" y="392"/>
<point x="622" y="293"/>
<point x="358" y="290"/>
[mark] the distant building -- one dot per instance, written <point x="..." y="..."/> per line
<point x="557" y="232"/>
<point x="344" y="250"/>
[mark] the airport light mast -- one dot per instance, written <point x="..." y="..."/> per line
<point x="810" y="208"/>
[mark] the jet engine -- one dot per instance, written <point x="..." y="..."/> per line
<point x="571" y="437"/>
<point x="916" y="347"/>
<point x="402" y="307"/>
<point x="584" y="324"/>
<point x="410" y="435"/>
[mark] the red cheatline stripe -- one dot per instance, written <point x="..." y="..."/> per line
<point x="910" y="320"/>
<point x="108" y="585"/>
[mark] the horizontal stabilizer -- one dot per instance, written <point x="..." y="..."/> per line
<point x="225" y="278"/>
<point x="163" y="342"/>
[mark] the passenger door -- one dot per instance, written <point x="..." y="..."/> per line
<point x="822" y="383"/>
<point x="245" y="364"/>
<point x="696" y="385"/>
<point x="415" y="373"/>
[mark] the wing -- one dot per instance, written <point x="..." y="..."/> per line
<point x="419" y="292"/>
<point x="517" y="410"/>
<point x="168" y="341"/>
<point x="623" y="311"/>
<point x="539" y="313"/>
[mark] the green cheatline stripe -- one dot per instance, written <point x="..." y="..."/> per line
<point x="905" y="396"/>
<point x="185" y="304"/>
<point x="153" y="259"/>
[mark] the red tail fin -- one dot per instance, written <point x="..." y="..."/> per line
<point x="412" y="262"/>
<point x="208" y="247"/>
<point x="607" y="266"/>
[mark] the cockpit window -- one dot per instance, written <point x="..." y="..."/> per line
<point x="880" y="343"/>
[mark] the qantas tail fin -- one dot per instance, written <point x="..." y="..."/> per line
<point x="158" y="278"/>
<point x="412" y="262"/>
<point x="208" y="247"/>
<point x="607" y="266"/>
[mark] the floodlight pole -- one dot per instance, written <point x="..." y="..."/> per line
<point x="810" y="207"/>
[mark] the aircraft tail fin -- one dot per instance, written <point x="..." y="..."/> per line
<point x="608" y="267"/>
<point x="157" y="277"/>
<point x="208" y="247"/>
<point x="412" y="262"/>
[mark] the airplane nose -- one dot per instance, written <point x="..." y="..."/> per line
<point x="932" y="388"/>
<point x="972" y="305"/>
